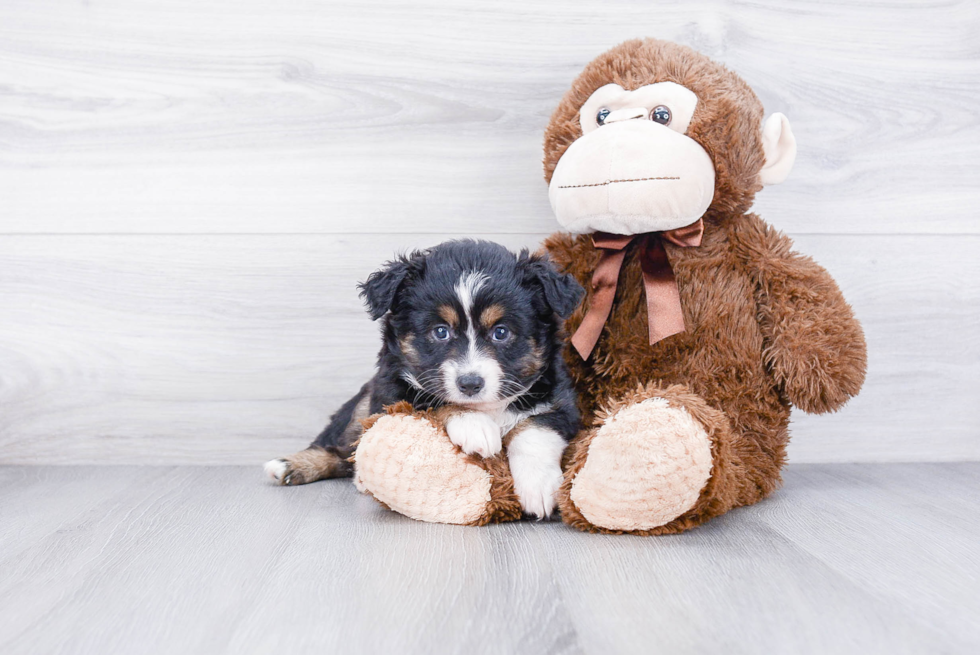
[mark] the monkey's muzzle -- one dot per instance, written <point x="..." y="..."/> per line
<point x="631" y="177"/>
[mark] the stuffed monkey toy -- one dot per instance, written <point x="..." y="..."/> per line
<point x="701" y="327"/>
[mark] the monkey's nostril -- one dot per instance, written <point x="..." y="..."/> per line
<point x="470" y="384"/>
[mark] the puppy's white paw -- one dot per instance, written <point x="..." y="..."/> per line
<point x="535" y="464"/>
<point x="536" y="486"/>
<point x="474" y="432"/>
<point x="276" y="469"/>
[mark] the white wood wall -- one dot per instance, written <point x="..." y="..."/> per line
<point x="189" y="192"/>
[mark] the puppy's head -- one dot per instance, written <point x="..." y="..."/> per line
<point x="469" y="322"/>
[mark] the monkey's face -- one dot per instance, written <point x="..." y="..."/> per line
<point x="634" y="169"/>
<point x="652" y="136"/>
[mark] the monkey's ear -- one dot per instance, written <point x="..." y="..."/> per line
<point x="379" y="290"/>
<point x="562" y="292"/>
<point x="779" y="146"/>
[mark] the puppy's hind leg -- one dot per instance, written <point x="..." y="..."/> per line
<point x="327" y="456"/>
<point x="314" y="463"/>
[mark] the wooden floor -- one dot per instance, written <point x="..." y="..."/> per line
<point x="862" y="558"/>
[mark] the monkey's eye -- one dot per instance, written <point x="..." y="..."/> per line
<point x="660" y="114"/>
<point x="600" y="117"/>
<point x="500" y="333"/>
<point x="441" y="333"/>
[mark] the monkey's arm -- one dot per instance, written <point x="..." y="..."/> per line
<point x="813" y="343"/>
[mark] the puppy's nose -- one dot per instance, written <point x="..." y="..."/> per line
<point x="470" y="384"/>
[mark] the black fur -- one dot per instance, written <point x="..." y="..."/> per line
<point x="408" y="293"/>
<point x="379" y="290"/>
<point x="562" y="292"/>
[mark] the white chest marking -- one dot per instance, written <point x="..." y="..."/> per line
<point x="508" y="419"/>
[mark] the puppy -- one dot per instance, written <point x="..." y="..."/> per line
<point x="475" y="332"/>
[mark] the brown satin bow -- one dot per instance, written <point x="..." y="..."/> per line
<point x="663" y="300"/>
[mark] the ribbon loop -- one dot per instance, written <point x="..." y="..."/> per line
<point x="664" y="314"/>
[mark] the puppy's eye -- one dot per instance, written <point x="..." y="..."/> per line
<point x="500" y="333"/>
<point x="441" y="333"/>
<point x="660" y="114"/>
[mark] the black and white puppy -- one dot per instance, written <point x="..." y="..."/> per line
<point x="475" y="331"/>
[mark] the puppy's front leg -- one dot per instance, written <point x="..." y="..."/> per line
<point x="474" y="432"/>
<point x="534" y="453"/>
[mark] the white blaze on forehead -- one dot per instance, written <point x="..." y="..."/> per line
<point x="475" y="362"/>
<point x="468" y="285"/>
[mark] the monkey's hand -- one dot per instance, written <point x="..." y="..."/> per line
<point x="813" y="344"/>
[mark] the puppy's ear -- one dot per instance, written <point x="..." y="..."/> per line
<point x="379" y="290"/>
<point x="562" y="292"/>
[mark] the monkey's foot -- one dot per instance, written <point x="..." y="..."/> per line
<point x="642" y="468"/>
<point x="406" y="461"/>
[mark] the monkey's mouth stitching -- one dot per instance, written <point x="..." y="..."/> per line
<point x="638" y="179"/>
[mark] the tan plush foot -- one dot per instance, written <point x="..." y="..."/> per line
<point x="645" y="466"/>
<point x="408" y="463"/>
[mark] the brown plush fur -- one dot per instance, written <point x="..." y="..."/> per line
<point x="766" y="327"/>
<point x="504" y="504"/>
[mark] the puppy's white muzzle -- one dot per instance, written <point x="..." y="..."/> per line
<point x="457" y="374"/>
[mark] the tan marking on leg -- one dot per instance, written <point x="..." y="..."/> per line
<point x="311" y="465"/>
<point x="449" y="315"/>
<point x="491" y="315"/>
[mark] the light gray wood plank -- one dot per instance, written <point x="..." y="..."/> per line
<point x="425" y="588"/>
<point x="925" y="513"/>
<point x="428" y="117"/>
<point x="733" y="586"/>
<point x="216" y="560"/>
<point x="171" y="548"/>
<point x="26" y="517"/>
<point x="869" y="558"/>
<point x="843" y="555"/>
<point x="235" y="349"/>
